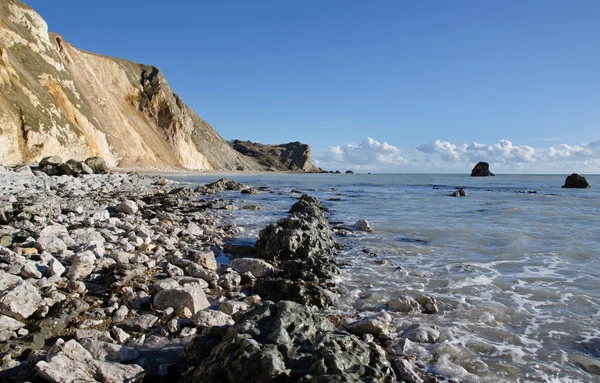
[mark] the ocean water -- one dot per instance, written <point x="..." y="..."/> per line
<point x="514" y="266"/>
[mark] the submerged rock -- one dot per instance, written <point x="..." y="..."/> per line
<point x="575" y="181"/>
<point x="482" y="169"/>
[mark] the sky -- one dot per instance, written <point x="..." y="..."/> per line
<point x="385" y="85"/>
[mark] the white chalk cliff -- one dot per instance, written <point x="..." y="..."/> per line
<point x="56" y="99"/>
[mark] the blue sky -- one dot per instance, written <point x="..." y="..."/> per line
<point x="381" y="85"/>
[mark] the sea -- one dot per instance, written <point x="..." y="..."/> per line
<point x="514" y="265"/>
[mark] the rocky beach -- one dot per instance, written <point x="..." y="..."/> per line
<point x="113" y="277"/>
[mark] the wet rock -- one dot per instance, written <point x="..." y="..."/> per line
<point x="363" y="225"/>
<point x="190" y="296"/>
<point x="482" y="169"/>
<point x="257" y="267"/>
<point x="20" y="301"/>
<point x="284" y="342"/>
<point x="234" y="249"/>
<point x="406" y="370"/>
<point x="421" y="334"/>
<point x="209" y="318"/>
<point x="405" y="305"/>
<point x="374" y="324"/>
<point x="575" y="181"/>
<point x="97" y="164"/>
<point x="428" y="304"/>
<point x="459" y="193"/>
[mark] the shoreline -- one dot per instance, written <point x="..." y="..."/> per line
<point x="105" y="270"/>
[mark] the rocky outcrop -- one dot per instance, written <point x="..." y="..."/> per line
<point x="284" y="342"/>
<point x="300" y="246"/>
<point x="56" y="99"/>
<point x="575" y="181"/>
<point x="482" y="169"/>
<point x="294" y="156"/>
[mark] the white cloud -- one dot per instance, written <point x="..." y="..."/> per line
<point x="503" y="156"/>
<point x="366" y="155"/>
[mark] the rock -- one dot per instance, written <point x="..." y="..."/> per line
<point x="115" y="372"/>
<point x="482" y="169"/>
<point x="374" y="324"/>
<point x="421" y="334"/>
<point x="67" y="362"/>
<point x="363" y="225"/>
<point x="109" y="352"/>
<point x="210" y="318"/>
<point x="190" y="296"/>
<point x="82" y="265"/>
<point x="250" y="191"/>
<point x="120" y="335"/>
<point x="206" y="259"/>
<point x="127" y="207"/>
<point x="576" y="181"/>
<point x="74" y="168"/>
<point x="50" y="161"/>
<point x="138" y="324"/>
<point x="459" y="193"/>
<point x="428" y="303"/>
<point x="405" y="370"/>
<point x="232" y="307"/>
<point x="257" y="267"/>
<point x="226" y="184"/>
<point x="50" y="244"/>
<point x="294" y="156"/>
<point x="234" y="249"/>
<point x="349" y="172"/>
<point x="97" y="164"/>
<point x="404" y="305"/>
<point x="24" y="170"/>
<point x="229" y="279"/>
<point x="20" y="301"/>
<point x="8" y="326"/>
<point x="284" y="341"/>
<point x="8" y="280"/>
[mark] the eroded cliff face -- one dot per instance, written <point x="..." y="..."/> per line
<point x="56" y="99"/>
<point x="294" y="156"/>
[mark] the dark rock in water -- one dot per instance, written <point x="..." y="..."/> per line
<point x="230" y="248"/>
<point x="349" y="172"/>
<point x="300" y="246"/>
<point x="97" y="164"/>
<point x="482" y="169"/>
<point x="221" y="185"/>
<point x="284" y="342"/>
<point x="459" y="193"/>
<point x="575" y="181"/>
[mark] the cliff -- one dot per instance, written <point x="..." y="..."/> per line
<point x="56" y="99"/>
<point x="294" y="156"/>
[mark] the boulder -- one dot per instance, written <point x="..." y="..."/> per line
<point x="363" y="225"/>
<point x="257" y="267"/>
<point x="190" y="296"/>
<point x="284" y="341"/>
<point x="575" y="181"/>
<point x="421" y="334"/>
<point x="8" y="326"/>
<point x="67" y="362"/>
<point x="20" y="301"/>
<point x="50" y="161"/>
<point x="482" y="169"/>
<point x="206" y="259"/>
<point x="138" y="324"/>
<point x="459" y="193"/>
<point x="210" y="318"/>
<point x="97" y="164"/>
<point x="374" y="324"/>
<point x="109" y="352"/>
<point x="127" y="207"/>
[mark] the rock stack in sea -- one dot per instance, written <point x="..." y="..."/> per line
<point x="575" y="181"/>
<point x="482" y="169"/>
